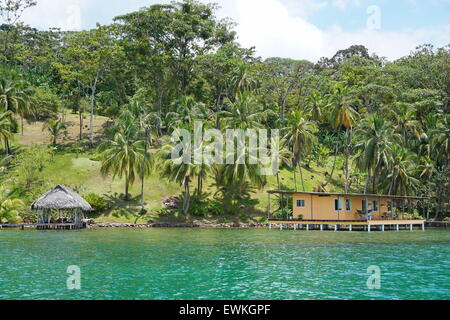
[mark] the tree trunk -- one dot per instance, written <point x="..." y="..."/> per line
<point x="301" y="172"/>
<point x="295" y="177"/>
<point x="21" y="124"/>
<point x="367" y="182"/>
<point x="375" y="179"/>
<point x="91" y="124"/>
<point x="186" y="201"/>
<point x="199" y="184"/>
<point x="391" y="184"/>
<point x="158" y="126"/>
<point x="91" y="121"/>
<point x="81" y="122"/>
<point x="278" y="180"/>
<point x="347" y="152"/>
<point x="127" y="184"/>
<point x="334" y="162"/>
<point x="143" y="168"/>
<point x="7" y="148"/>
<point x="301" y="177"/>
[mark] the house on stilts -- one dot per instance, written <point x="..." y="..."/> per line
<point x="339" y="211"/>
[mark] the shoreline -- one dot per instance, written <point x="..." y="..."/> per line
<point x="202" y="225"/>
<point x="190" y="225"/>
<point x="217" y="225"/>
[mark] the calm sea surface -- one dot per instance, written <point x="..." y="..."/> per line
<point x="224" y="264"/>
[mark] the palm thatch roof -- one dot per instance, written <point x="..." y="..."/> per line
<point x="62" y="198"/>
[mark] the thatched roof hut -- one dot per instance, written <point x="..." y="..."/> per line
<point x="61" y="198"/>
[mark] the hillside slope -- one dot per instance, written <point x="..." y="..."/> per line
<point x="80" y="168"/>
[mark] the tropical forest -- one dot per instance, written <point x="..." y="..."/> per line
<point x="96" y="110"/>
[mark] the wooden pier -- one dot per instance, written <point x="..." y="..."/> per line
<point x="46" y="226"/>
<point x="355" y="225"/>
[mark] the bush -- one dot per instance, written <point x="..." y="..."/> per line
<point x="282" y="213"/>
<point x="10" y="210"/>
<point x="214" y="208"/>
<point x="206" y="208"/>
<point x="98" y="203"/>
<point x="244" y="218"/>
<point x="263" y="220"/>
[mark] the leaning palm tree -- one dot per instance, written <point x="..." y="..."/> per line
<point x="12" y="95"/>
<point x="15" y="96"/>
<point x="301" y="138"/>
<point x="5" y="128"/>
<point x="54" y="127"/>
<point x="124" y="157"/>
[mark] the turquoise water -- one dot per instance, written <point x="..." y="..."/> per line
<point x="224" y="264"/>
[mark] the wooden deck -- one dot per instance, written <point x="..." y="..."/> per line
<point x="366" y="225"/>
<point x="46" y="226"/>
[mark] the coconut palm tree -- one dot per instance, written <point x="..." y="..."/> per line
<point x="404" y="123"/>
<point x="440" y="141"/>
<point x="233" y="193"/>
<point x="5" y="128"/>
<point x="54" y="127"/>
<point x="314" y="104"/>
<point x="15" y="96"/>
<point x="241" y="79"/>
<point x="147" y="123"/>
<point x="402" y="164"/>
<point x="124" y="156"/>
<point x="186" y="111"/>
<point x="285" y="156"/>
<point x="300" y="136"/>
<point x="343" y="114"/>
<point x="372" y="152"/>
<point x="137" y="115"/>
<point x="426" y="168"/>
<point x="245" y="112"/>
<point x="246" y="168"/>
<point x="177" y="170"/>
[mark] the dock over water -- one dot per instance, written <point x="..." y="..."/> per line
<point x="348" y="225"/>
<point x="46" y="226"/>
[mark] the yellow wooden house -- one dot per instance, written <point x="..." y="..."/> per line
<point x="314" y="208"/>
